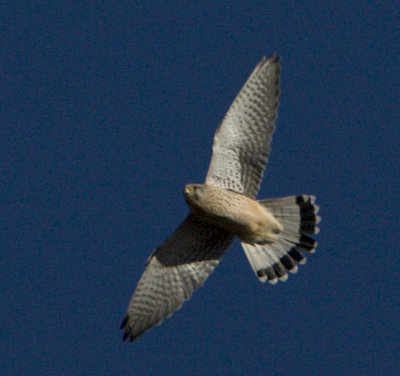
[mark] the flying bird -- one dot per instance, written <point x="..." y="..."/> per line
<point x="274" y="233"/>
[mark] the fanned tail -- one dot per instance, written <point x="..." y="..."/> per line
<point x="298" y="216"/>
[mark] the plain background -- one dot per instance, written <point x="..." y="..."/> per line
<point x="109" y="108"/>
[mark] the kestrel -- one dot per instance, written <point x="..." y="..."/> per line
<point x="273" y="232"/>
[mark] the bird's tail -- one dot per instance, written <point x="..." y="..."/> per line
<point x="298" y="216"/>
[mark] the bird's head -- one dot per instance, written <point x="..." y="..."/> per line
<point x="192" y="192"/>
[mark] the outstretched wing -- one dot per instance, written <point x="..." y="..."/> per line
<point x="175" y="269"/>
<point x="242" y="141"/>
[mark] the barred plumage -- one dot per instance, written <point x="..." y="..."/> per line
<point x="273" y="232"/>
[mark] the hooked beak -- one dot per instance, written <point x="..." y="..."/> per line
<point x="189" y="189"/>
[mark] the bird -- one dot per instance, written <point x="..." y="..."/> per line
<point x="274" y="233"/>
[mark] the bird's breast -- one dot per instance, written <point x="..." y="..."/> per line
<point x="234" y="212"/>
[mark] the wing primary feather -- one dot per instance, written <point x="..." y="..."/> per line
<point x="179" y="266"/>
<point x="242" y="142"/>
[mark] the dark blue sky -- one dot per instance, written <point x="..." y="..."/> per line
<point x="109" y="108"/>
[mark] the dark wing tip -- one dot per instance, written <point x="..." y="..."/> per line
<point x="274" y="58"/>
<point x="127" y="333"/>
<point x="129" y="336"/>
<point x="125" y="337"/>
<point x="124" y="322"/>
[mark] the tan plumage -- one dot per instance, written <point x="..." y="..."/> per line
<point x="239" y="214"/>
<point x="272" y="232"/>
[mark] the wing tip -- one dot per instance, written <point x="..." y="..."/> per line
<point x="273" y="59"/>
<point x="124" y="322"/>
<point x="127" y="334"/>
